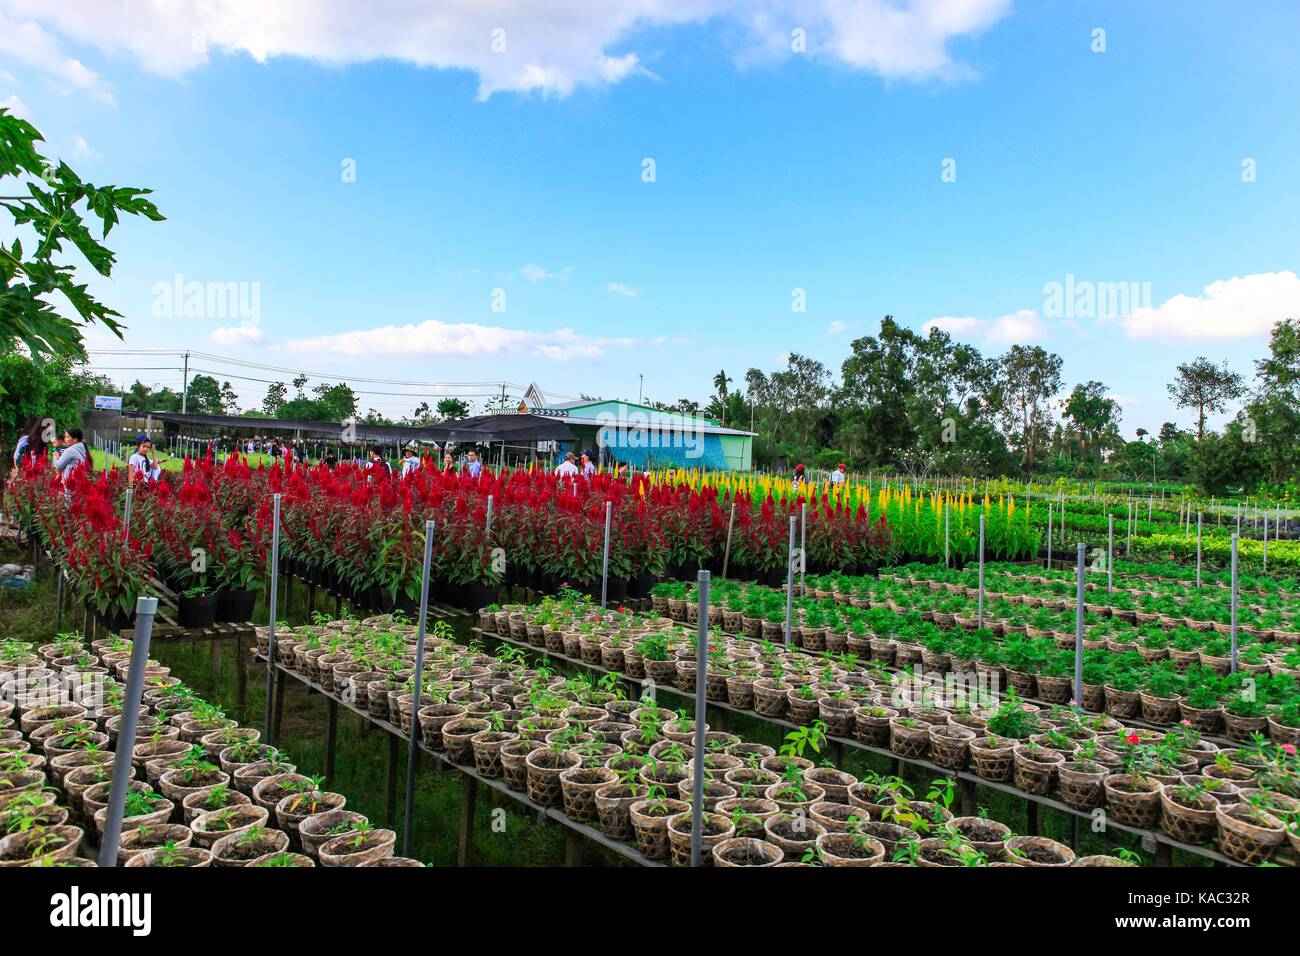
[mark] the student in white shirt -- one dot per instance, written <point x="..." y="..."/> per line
<point x="410" y="462"/>
<point x="838" y="475"/>
<point x="141" y="467"/>
<point x="568" y="467"/>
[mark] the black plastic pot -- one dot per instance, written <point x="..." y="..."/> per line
<point x="236" y="607"/>
<point x="196" y="611"/>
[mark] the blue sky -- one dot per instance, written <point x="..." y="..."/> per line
<point x="775" y="170"/>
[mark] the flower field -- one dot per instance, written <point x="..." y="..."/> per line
<point x="903" y="694"/>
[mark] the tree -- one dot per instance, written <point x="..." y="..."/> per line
<point x="1030" y="376"/>
<point x="1273" y="417"/>
<point x="1206" y="387"/>
<point x="1094" y="419"/>
<point x="59" y="389"/>
<point x="450" y="409"/>
<point x="31" y="282"/>
<point x="140" y="397"/>
<point x="335" y="403"/>
<point x="277" y="393"/>
<point x="206" y="396"/>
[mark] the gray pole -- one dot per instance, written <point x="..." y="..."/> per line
<point x="1078" y="628"/>
<point x="803" y="548"/>
<point x="145" y="608"/>
<point x="58" y="597"/>
<point x="412" y="752"/>
<point x="947" y="562"/>
<point x="1049" y="536"/>
<point x="731" y="523"/>
<point x="980" y="619"/>
<point x="126" y="515"/>
<point x="1233" y="630"/>
<point x="489" y="515"/>
<point x="185" y="387"/>
<point x="789" y="584"/>
<point x="1198" y="549"/>
<point x="1265" y="542"/>
<point x="604" y="573"/>
<point x="701" y="675"/>
<point x="1110" y="552"/>
<point x="1128" y="547"/>
<point x="274" y="601"/>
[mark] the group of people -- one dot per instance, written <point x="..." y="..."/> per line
<point x="39" y="439"/>
<point x="571" y="467"/>
<point x="837" y="477"/>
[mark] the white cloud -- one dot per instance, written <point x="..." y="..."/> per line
<point x="464" y="339"/>
<point x="535" y="273"/>
<point x="82" y="149"/>
<point x="250" y="333"/>
<point x="618" y="288"/>
<point x="836" y="328"/>
<point x="26" y="41"/>
<point x="1017" y="328"/>
<point x="16" y="107"/>
<point x="1236" y="308"/>
<point x="549" y="49"/>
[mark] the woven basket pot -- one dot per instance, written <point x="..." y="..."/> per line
<point x="1081" y="785"/>
<point x="993" y="763"/>
<point x="850" y="849"/>
<point x="1038" y="851"/>
<point x="344" y="850"/>
<point x="1133" y="801"/>
<point x="1248" y="835"/>
<point x="795" y="835"/>
<point x="950" y="746"/>
<point x="315" y="830"/>
<point x="239" y="819"/>
<point x="909" y="742"/>
<point x="650" y="825"/>
<point x="1194" y="825"/>
<point x="1158" y="710"/>
<point x="1035" y="772"/>
<point x="714" y="829"/>
<point x="873" y="729"/>
<point x="987" y="836"/>
<point x="543" y="775"/>
<point x="746" y="851"/>
<point x="748" y="814"/>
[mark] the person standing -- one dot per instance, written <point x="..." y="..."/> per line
<point x="378" y="466"/>
<point x="797" y="480"/>
<point x="473" y="466"/>
<point x="141" y="466"/>
<point x="588" y="466"/>
<point x="838" y="475"/>
<point x="72" y="455"/>
<point x="569" y="467"/>
<point x="410" y="461"/>
<point x="25" y="441"/>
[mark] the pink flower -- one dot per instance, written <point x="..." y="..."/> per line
<point x="1187" y="723"/>
<point x="1288" y="749"/>
<point x="1133" y="739"/>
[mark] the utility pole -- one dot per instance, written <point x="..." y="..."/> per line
<point x="640" y="389"/>
<point x="185" y="386"/>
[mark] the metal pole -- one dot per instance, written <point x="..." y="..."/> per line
<point x="789" y="584"/>
<point x="126" y="515"/>
<point x="604" y="573"/>
<point x="803" y="547"/>
<point x="701" y="676"/>
<point x="58" y="597"/>
<point x="489" y="515"/>
<point x="980" y="618"/>
<point x="1266" y="541"/>
<point x="1049" y="536"/>
<point x="145" y="608"/>
<point x="1132" y="518"/>
<point x="1198" y="549"/>
<point x="267" y="735"/>
<point x="1232" y="632"/>
<point x="947" y="562"/>
<point x="412" y="752"/>
<point x="1078" y="627"/>
<point x="731" y="523"/>
<point x="1110" y="553"/>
